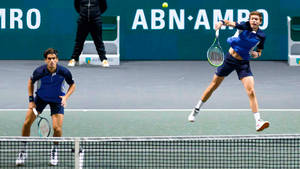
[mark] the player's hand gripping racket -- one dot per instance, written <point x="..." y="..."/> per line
<point x="215" y="54"/>
<point x="44" y="128"/>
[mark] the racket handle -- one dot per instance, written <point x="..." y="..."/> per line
<point x="35" y="112"/>
<point x="217" y="33"/>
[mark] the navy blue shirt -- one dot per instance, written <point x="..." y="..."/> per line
<point x="246" y="40"/>
<point x="51" y="85"/>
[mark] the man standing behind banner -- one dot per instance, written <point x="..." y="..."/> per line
<point x="89" y="21"/>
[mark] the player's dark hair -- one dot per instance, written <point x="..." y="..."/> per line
<point x="50" y="51"/>
<point x="256" y="13"/>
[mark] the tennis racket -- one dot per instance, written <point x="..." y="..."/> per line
<point x="215" y="54"/>
<point x="44" y="128"/>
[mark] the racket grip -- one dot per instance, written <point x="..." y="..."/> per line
<point x="35" y="112"/>
<point x="217" y="33"/>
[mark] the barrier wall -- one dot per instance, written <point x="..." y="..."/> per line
<point x="183" y="31"/>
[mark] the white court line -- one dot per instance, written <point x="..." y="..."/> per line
<point x="159" y="110"/>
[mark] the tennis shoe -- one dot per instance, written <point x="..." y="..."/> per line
<point x="105" y="63"/>
<point x="193" y="115"/>
<point x="81" y="158"/>
<point x="72" y="63"/>
<point x="261" y="125"/>
<point x="53" y="157"/>
<point x="21" y="158"/>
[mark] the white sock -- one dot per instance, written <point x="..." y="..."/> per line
<point x="256" y="116"/>
<point x="199" y="105"/>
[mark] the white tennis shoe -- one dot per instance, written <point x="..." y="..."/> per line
<point x="261" y="125"/>
<point x="193" y="115"/>
<point x="53" y="157"/>
<point x="72" y="63"/>
<point x="21" y="158"/>
<point x="105" y="63"/>
<point x="81" y="158"/>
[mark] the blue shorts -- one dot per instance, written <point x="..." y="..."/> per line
<point x="242" y="67"/>
<point x="55" y="108"/>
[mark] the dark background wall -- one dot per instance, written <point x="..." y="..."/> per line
<point x="146" y="39"/>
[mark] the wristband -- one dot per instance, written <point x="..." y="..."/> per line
<point x="31" y="99"/>
<point x="223" y="22"/>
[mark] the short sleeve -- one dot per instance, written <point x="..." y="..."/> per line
<point x="68" y="77"/>
<point x="35" y="76"/>
<point x="261" y="43"/>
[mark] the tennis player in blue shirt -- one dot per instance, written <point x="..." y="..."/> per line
<point x="242" y="45"/>
<point x="51" y="79"/>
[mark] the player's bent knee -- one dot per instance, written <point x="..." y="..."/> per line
<point x="57" y="129"/>
<point x="251" y="93"/>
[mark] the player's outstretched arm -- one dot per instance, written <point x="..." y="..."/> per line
<point x="224" y="23"/>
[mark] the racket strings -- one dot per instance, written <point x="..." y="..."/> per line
<point x="216" y="57"/>
<point x="44" y="128"/>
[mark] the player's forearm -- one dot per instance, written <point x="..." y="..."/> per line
<point x="228" y="23"/>
<point x="224" y="23"/>
<point x="70" y="90"/>
<point x="30" y="87"/>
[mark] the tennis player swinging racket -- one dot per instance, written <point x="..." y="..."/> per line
<point x="247" y="38"/>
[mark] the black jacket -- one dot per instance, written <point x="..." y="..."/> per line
<point x="90" y="9"/>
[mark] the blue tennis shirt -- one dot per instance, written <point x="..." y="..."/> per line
<point x="51" y="85"/>
<point x="246" y="40"/>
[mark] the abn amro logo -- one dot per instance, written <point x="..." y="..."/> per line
<point x="88" y="60"/>
<point x="298" y="61"/>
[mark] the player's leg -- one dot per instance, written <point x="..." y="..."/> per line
<point x="29" y="119"/>
<point x="81" y="34"/>
<point x="215" y="83"/>
<point x="248" y="83"/>
<point x="30" y="116"/>
<point x="57" y="122"/>
<point x="222" y="71"/>
<point x="57" y="115"/>
<point x="96" y="32"/>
